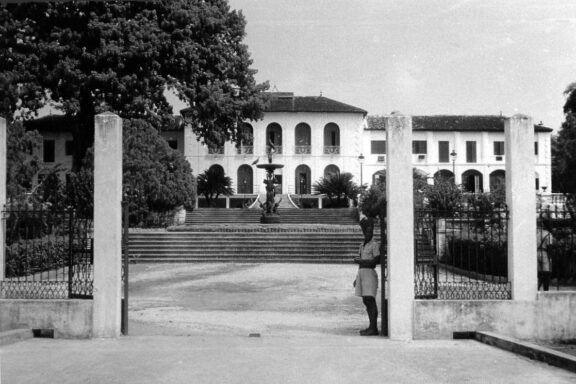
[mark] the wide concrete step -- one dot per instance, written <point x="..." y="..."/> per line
<point x="287" y="215"/>
<point x="247" y="260"/>
<point x="310" y="244"/>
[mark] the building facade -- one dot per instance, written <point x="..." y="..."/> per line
<point x="315" y="136"/>
<point x="311" y="136"/>
<point x="468" y="148"/>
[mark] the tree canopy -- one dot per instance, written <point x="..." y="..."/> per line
<point x="156" y="177"/>
<point x="23" y="164"/>
<point x="564" y="156"/>
<point x="564" y="147"/>
<point x="90" y="57"/>
<point x="213" y="183"/>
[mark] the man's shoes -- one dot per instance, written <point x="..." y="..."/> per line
<point x="369" y="332"/>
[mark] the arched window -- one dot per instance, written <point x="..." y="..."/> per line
<point x="245" y="180"/>
<point x="497" y="179"/>
<point x="472" y="181"/>
<point x="302" y="139"/>
<point x="274" y="137"/>
<point x="331" y="139"/>
<point x="444" y="174"/>
<point x="331" y="169"/>
<point x="217" y="168"/>
<point x="303" y="179"/>
<point x="247" y="143"/>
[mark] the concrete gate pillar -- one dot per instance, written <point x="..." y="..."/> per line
<point x="107" y="225"/>
<point x="521" y="200"/>
<point x="3" y="166"/>
<point x="400" y="226"/>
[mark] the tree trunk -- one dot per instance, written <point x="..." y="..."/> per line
<point x="83" y="132"/>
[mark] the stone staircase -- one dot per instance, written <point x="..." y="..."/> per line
<point x="203" y="216"/>
<point x="301" y="244"/>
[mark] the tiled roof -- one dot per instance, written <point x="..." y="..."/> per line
<point x="51" y="123"/>
<point x="287" y="102"/>
<point x="63" y="123"/>
<point x="452" y="123"/>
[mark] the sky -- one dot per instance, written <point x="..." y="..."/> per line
<point x="432" y="57"/>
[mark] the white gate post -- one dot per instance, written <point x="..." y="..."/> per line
<point x="521" y="200"/>
<point x="400" y="226"/>
<point x="107" y="225"/>
<point x="3" y="166"/>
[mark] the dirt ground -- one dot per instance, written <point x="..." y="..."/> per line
<point x="244" y="299"/>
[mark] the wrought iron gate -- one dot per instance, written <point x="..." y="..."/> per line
<point x="125" y="269"/>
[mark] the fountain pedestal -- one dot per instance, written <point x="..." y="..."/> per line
<point x="270" y="207"/>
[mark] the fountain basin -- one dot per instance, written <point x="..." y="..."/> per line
<point x="270" y="167"/>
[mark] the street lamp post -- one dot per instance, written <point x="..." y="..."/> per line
<point x="453" y="155"/>
<point x="361" y="160"/>
<point x="301" y="188"/>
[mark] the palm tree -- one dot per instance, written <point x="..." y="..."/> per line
<point x="213" y="183"/>
<point x="338" y="187"/>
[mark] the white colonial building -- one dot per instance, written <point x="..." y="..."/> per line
<point x="468" y="148"/>
<point x="314" y="136"/>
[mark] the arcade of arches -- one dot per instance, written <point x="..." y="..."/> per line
<point x="472" y="180"/>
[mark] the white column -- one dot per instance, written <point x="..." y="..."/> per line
<point x="3" y="166"/>
<point x="400" y="226"/>
<point x="521" y="200"/>
<point x="107" y="225"/>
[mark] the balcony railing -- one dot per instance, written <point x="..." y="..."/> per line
<point x="216" y="151"/>
<point x="331" y="149"/>
<point x="277" y="149"/>
<point x="245" y="150"/>
<point x="302" y="149"/>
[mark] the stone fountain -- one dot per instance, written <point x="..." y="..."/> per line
<point x="270" y="207"/>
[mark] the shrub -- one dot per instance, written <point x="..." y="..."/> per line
<point x="26" y="257"/>
<point x="486" y="258"/>
<point x="338" y="188"/>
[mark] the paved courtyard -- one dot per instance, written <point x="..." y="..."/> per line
<point x="239" y="299"/>
<point x="192" y="323"/>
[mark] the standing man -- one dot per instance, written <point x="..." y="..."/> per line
<point x="366" y="282"/>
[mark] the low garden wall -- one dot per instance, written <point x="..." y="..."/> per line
<point x="552" y="316"/>
<point x="68" y="318"/>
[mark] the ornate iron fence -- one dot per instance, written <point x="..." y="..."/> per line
<point x="461" y="254"/>
<point x="245" y="150"/>
<point x="331" y="149"/>
<point x="556" y="242"/>
<point x="48" y="254"/>
<point x="302" y="149"/>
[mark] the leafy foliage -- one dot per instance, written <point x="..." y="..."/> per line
<point x="213" y="183"/>
<point x="373" y="201"/>
<point x="22" y="163"/>
<point x="338" y="187"/>
<point x="443" y="195"/>
<point x="156" y="177"/>
<point x="570" y="93"/>
<point x="94" y="56"/>
<point x="564" y="156"/>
